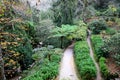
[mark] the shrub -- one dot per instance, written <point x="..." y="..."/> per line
<point x="110" y="31"/>
<point x="69" y="32"/>
<point x="97" y="43"/>
<point x="97" y="26"/>
<point x="81" y="31"/>
<point x="111" y="11"/>
<point x="84" y="62"/>
<point x="16" y="46"/>
<point x="103" y="67"/>
<point x="45" y="68"/>
<point x="117" y="58"/>
<point x="112" y="46"/>
<point x="47" y="71"/>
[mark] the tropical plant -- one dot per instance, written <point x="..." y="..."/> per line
<point x="70" y="32"/>
<point x="64" y="31"/>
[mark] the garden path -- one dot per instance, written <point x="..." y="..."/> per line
<point x="67" y="69"/>
<point x="92" y="56"/>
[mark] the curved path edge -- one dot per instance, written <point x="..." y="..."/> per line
<point x="92" y="56"/>
<point x="67" y="66"/>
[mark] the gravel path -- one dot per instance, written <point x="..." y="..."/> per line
<point x="67" y="69"/>
<point x="92" y="56"/>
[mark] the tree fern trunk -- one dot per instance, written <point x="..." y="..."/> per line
<point x="62" y="42"/>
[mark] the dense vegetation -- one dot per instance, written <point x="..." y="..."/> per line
<point x="111" y="46"/>
<point x="16" y="38"/>
<point x="46" y="65"/>
<point x="32" y="39"/>
<point x="97" y="43"/>
<point x="103" y="67"/>
<point x="84" y="62"/>
<point x="96" y="26"/>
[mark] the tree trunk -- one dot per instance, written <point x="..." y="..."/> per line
<point x="61" y="42"/>
<point x="2" y="75"/>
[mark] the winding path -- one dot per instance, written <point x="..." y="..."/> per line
<point x="67" y="69"/>
<point x="92" y="56"/>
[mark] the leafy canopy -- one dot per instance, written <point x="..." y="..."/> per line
<point x="70" y="31"/>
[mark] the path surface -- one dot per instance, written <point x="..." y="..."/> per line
<point x="92" y="56"/>
<point x="67" y="69"/>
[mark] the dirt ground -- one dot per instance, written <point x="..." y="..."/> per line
<point x="113" y="68"/>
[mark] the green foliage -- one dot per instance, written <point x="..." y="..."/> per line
<point x="46" y="72"/>
<point x="43" y="30"/>
<point x="111" y="11"/>
<point x="96" y="26"/>
<point x="64" y="31"/>
<point x="45" y="68"/>
<point x="110" y="31"/>
<point x="97" y="43"/>
<point x="111" y="46"/>
<point x="64" y="11"/>
<point x="102" y="4"/>
<point x="26" y="52"/>
<point x="117" y="58"/>
<point x="81" y="33"/>
<point x="16" y="37"/>
<point x="56" y="42"/>
<point x="103" y="67"/>
<point x="2" y="9"/>
<point x="70" y="31"/>
<point x="118" y="11"/>
<point x="117" y="20"/>
<point x="17" y="48"/>
<point x="84" y="62"/>
<point x="44" y="15"/>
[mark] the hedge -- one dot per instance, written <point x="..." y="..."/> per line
<point x="84" y="62"/>
<point x="103" y="67"/>
<point x="97" y="43"/>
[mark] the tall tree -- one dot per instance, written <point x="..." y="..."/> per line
<point x="64" y="11"/>
<point x="2" y="75"/>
